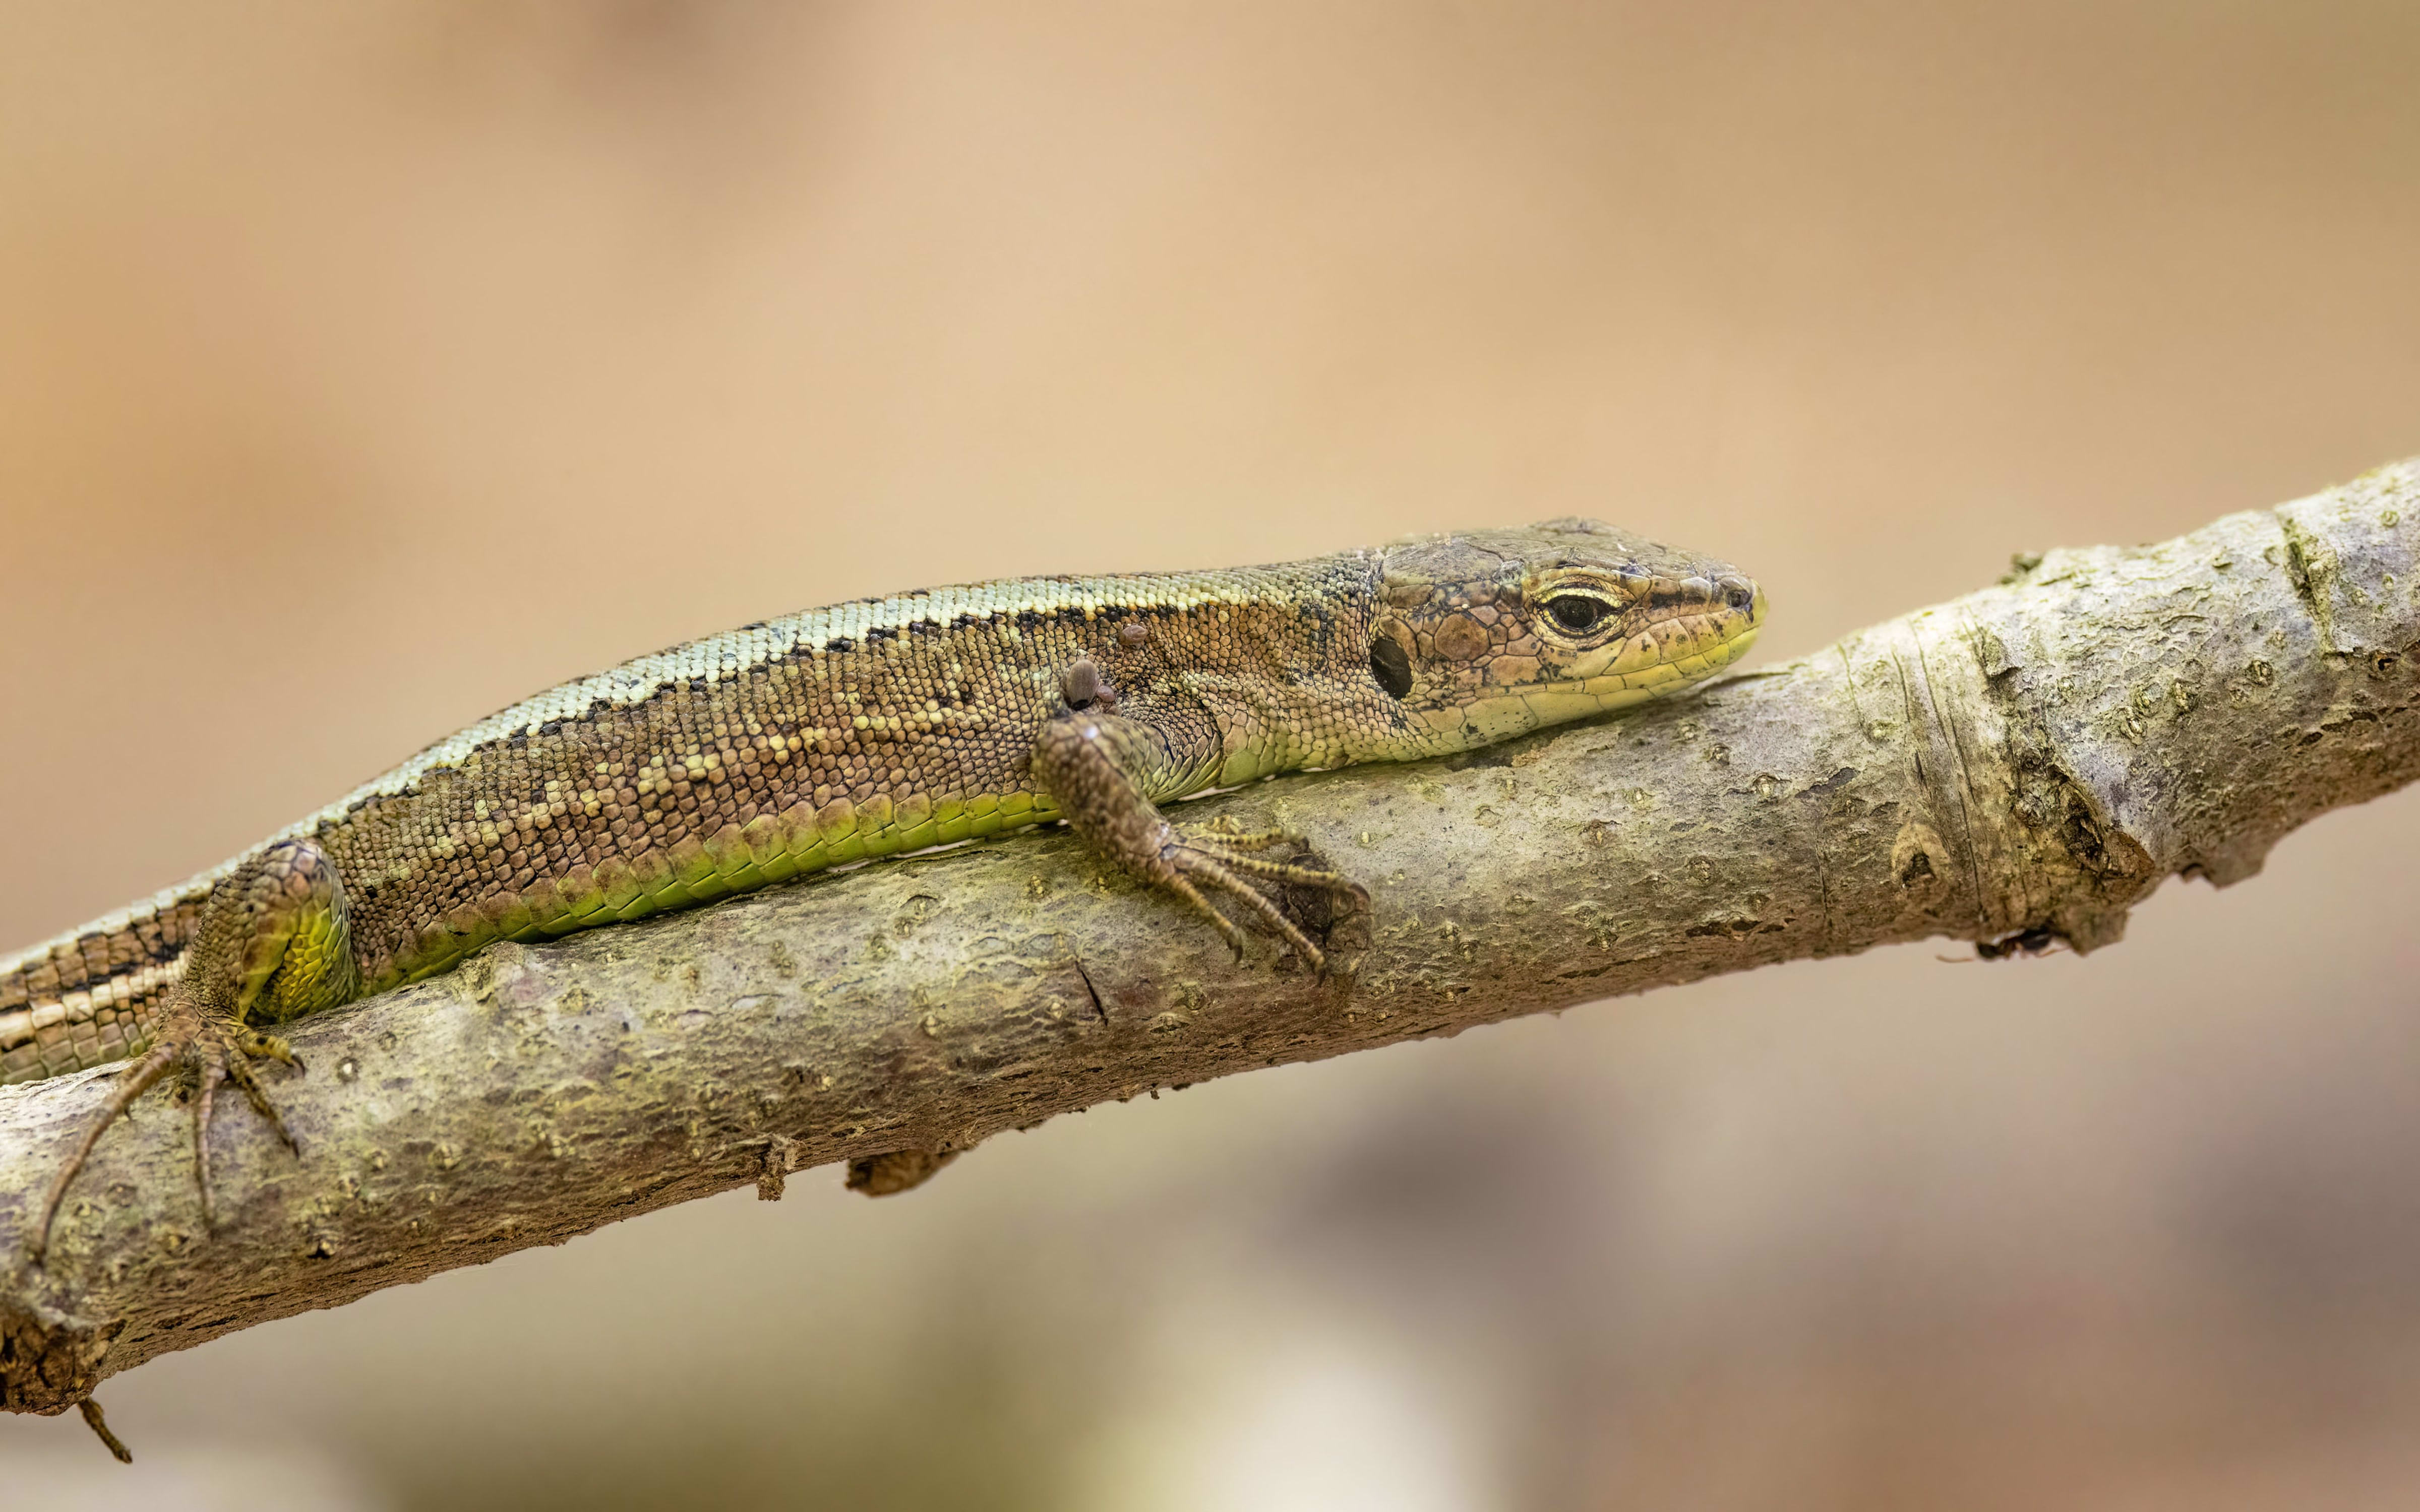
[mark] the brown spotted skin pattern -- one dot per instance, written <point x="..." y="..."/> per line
<point x="896" y="724"/>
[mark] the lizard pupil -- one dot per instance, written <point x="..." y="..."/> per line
<point x="1576" y="613"/>
<point x="1392" y="666"/>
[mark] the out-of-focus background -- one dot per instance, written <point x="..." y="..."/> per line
<point x="363" y="367"/>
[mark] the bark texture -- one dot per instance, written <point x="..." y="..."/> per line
<point x="2021" y="764"/>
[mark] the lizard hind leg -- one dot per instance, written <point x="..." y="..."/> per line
<point x="273" y="940"/>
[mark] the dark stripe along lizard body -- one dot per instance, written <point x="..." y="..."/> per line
<point x="872" y="729"/>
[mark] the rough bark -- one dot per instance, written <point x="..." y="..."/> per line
<point x="2021" y="765"/>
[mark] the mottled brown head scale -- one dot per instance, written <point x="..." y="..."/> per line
<point x="1491" y="633"/>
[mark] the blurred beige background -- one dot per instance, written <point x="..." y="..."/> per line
<point x="364" y="367"/>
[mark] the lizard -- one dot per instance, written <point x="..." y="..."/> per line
<point x="863" y="730"/>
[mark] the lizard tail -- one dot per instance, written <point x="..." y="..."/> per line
<point x="91" y="996"/>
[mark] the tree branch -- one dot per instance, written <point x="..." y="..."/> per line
<point x="2023" y="764"/>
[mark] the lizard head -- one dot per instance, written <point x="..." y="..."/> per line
<point x="1489" y="634"/>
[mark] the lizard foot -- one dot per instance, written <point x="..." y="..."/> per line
<point x="1098" y="767"/>
<point x="1220" y="854"/>
<point x="206" y="1048"/>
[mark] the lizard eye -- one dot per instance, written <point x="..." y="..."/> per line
<point x="1576" y="613"/>
<point x="1392" y="666"/>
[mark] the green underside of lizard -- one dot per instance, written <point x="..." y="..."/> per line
<point x="770" y="849"/>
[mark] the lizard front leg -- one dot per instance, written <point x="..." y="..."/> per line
<point x="273" y="942"/>
<point x="1098" y="765"/>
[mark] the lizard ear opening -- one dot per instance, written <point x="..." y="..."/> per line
<point x="1392" y="666"/>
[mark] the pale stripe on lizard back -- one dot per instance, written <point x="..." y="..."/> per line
<point x="858" y="730"/>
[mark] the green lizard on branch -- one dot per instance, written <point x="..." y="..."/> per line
<point x="865" y="730"/>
